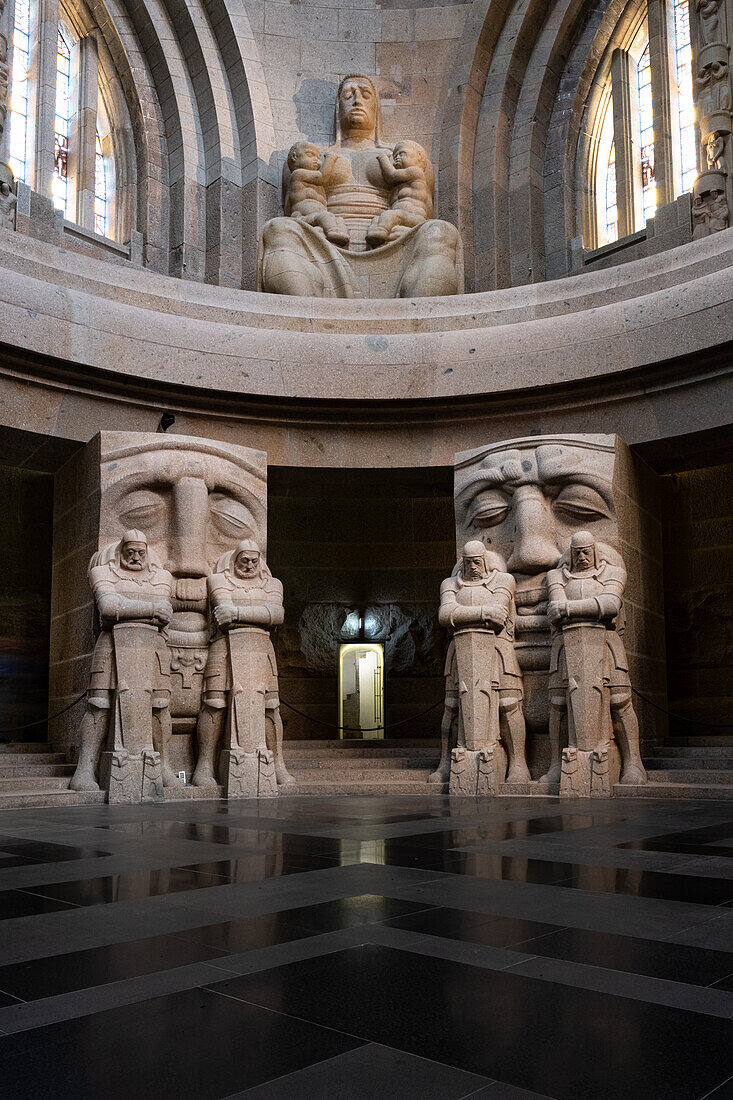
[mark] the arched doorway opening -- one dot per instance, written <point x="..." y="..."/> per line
<point x="361" y="690"/>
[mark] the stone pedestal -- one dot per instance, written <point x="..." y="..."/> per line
<point x="477" y="773"/>
<point x="590" y="774"/>
<point x="248" y="774"/>
<point x="131" y="777"/>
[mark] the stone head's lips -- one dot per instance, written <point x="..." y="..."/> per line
<point x="190" y="589"/>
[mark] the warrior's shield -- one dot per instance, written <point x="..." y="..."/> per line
<point x="135" y="657"/>
<point x="477" y="665"/>
<point x="249" y="655"/>
<point x="584" y="645"/>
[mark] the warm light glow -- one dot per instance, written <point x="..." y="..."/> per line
<point x="101" y="190"/>
<point x="361" y="687"/>
<point x="611" y="198"/>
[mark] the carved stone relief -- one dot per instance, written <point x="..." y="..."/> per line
<point x="359" y="215"/>
<point x="713" y="95"/>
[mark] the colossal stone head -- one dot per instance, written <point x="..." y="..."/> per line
<point x="194" y="498"/>
<point x="525" y="498"/>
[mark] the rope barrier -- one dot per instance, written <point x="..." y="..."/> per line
<point x="681" y="717"/>
<point x="357" y="729"/>
<point x="43" y="721"/>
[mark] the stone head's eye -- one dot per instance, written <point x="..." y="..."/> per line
<point x="142" y="509"/>
<point x="581" y="502"/>
<point x="487" y="509"/>
<point x="230" y="518"/>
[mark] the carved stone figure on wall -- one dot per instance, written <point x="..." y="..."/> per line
<point x="524" y="499"/>
<point x="714" y="151"/>
<point x="240" y="681"/>
<point x="483" y="679"/>
<point x="129" y="684"/>
<point x="8" y="200"/>
<point x="710" y="214"/>
<point x="305" y="198"/>
<point x="196" y="499"/>
<point x="589" y="672"/>
<point x="709" y="18"/>
<point x="302" y="256"/>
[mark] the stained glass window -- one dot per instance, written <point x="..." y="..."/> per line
<point x="101" y="190"/>
<point x="685" y="106"/>
<point x="611" y="199"/>
<point x="60" y="184"/>
<point x="646" y="134"/>
<point x="21" y="91"/>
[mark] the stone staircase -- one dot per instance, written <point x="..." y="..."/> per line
<point x="31" y="774"/>
<point x="687" y="767"/>
<point x="394" y="766"/>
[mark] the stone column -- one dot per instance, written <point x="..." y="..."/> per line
<point x="666" y="145"/>
<point x="711" y="26"/>
<point x="194" y="499"/>
<point x="83" y="143"/>
<point x="7" y="184"/>
<point x="626" y="130"/>
<point x="524" y="499"/>
<point x="44" y="35"/>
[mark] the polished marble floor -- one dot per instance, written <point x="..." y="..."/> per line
<point x="368" y="949"/>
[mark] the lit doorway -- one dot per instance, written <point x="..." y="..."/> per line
<point x="361" y="690"/>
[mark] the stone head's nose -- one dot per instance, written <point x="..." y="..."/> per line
<point x="535" y="549"/>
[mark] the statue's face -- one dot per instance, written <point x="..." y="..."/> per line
<point x="357" y="106"/>
<point x="246" y="564"/>
<point x="583" y="557"/>
<point x="527" y="501"/>
<point x="192" y="504"/>
<point x="133" y="556"/>
<point x="474" y="568"/>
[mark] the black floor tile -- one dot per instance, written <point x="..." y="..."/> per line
<point x="481" y="928"/>
<point x="192" y="1045"/>
<point x="48" y="977"/>
<point x="348" y="912"/>
<point x="47" y="852"/>
<point x="370" y="1073"/>
<point x="6" y="999"/>
<point x="128" y="886"/>
<point x="18" y="903"/>
<point x="503" y="1025"/>
<point x="245" y="933"/>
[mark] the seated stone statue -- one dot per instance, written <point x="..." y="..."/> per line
<point x="300" y="256"/>
<point x="130" y="665"/>
<point x="306" y="194"/>
<point x="483" y="681"/>
<point x="589" y="671"/>
<point x="240" y="680"/>
<point x="405" y="175"/>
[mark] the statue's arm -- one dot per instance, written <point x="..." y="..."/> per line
<point x="223" y="610"/>
<point x="557" y="604"/>
<point x="452" y="614"/>
<point x="269" y="613"/>
<point x="306" y="175"/>
<point x="113" y="606"/>
<point x="497" y="610"/>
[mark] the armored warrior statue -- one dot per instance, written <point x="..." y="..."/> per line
<point x="483" y="679"/>
<point x="130" y="677"/>
<point x="246" y="602"/>
<point x="589" y="673"/>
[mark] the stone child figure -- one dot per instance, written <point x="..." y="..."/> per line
<point x="483" y="679"/>
<point x="305" y="197"/>
<point x="589" y="677"/>
<point x="405" y="175"/>
<point x="244" y="599"/>
<point x="8" y="199"/>
<point x="129" y="587"/>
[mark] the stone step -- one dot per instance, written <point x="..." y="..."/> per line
<point x="37" y="783"/>
<point x="674" y="790"/>
<point x="715" y="763"/>
<point x="345" y="750"/>
<point x="404" y="763"/>
<point x="14" y="759"/>
<point x="362" y="787"/>
<point x="688" y="752"/>
<point x="24" y="746"/>
<point x="346" y="742"/>
<point x="703" y="776"/>
<point x="182" y="794"/>
<point x="16" y="771"/>
<point x="21" y="798"/>
<point x="703" y="741"/>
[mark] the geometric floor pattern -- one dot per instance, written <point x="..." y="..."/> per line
<point x="368" y="949"/>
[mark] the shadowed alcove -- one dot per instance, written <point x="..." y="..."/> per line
<point x="360" y="548"/>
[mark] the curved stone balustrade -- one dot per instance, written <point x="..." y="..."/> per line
<point x="621" y="349"/>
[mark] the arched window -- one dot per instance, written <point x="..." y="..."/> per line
<point x="72" y="163"/>
<point x="644" y="79"/>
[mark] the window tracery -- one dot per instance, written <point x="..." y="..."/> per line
<point x="642" y="168"/>
<point x="71" y="158"/>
